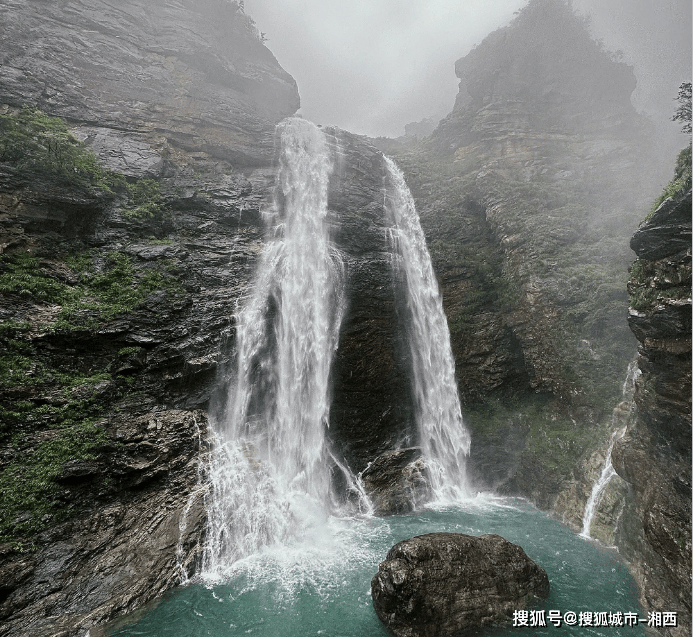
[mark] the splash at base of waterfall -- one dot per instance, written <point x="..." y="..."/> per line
<point x="322" y="588"/>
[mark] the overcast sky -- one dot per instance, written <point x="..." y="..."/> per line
<point x="372" y="66"/>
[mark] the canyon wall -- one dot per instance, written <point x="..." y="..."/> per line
<point x="655" y="454"/>
<point x="121" y="273"/>
<point x="528" y="193"/>
<point x="119" y="282"/>
<point x="137" y="156"/>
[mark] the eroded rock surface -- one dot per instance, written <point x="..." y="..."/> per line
<point x="194" y="76"/>
<point x="396" y="481"/>
<point x="440" y="583"/>
<point x="655" y="454"/>
<point x="121" y="551"/>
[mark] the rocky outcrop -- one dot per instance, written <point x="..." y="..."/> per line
<point x="137" y="533"/>
<point x="371" y="410"/>
<point x="123" y="330"/>
<point x="112" y="346"/>
<point x="147" y="79"/>
<point x="125" y="518"/>
<point x="395" y="481"/>
<point x="442" y="583"/>
<point x="655" y="454"/>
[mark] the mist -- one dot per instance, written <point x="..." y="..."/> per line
<point x="372" y="66"/>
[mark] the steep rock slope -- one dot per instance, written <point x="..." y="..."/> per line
<point x="118" y="281"/>
<point x="655" y="454"/>
<point x="527" y="192"/>
<point x="182" y="74"/>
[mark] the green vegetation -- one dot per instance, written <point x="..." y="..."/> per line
<point x="98" y="296"/>
<point x="52" y="406"/>
<point x="679" y="184"/>
<point x="683" y="110"/>
<point x="126" y="351"/>
<point x="651" y="283"/>
<point x="144" y="199"/>
<point x="31" y="140"/>
<point x="49" y="414"/>
<point x="547" y="443"/>
<point x="681" y="181"/>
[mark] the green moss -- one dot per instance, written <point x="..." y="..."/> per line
<point x="16" y="364"/>
<point x="29" y="493"/>
<point x="41" y="430"/>
<point x="679" y="184"/>
<point x="31" y="140"/>
<point x="646" y="298"/>
<point x="144" y="199"/>
<point x="21" y="273"/>
<point x="126" y="351"/>
<point x="98" y="296"/>
<point x="544" y="440"/>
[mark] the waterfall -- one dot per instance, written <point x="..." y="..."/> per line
<point x="608" y="470"/>
<point x="600" y="485"/>
<point x="269" y="469"/>
<point x="443" y="437"/>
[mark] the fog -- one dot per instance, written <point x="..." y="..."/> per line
<point x="372" y="66"/>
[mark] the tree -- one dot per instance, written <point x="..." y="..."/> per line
<point x="683" y="112"/>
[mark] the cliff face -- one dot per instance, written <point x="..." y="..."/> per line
<point x="120" y="275"/>
<point x="174" y="75"/>
<point x="655" y="454"/>
<point x="118" y="281"/>
<point x="526" y="193"/>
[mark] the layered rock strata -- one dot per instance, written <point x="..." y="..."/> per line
<point x="124" y="332"/>
<point x="179" y="100"/>
<point x="655" y="454"/>
<point x="527" y="198"/>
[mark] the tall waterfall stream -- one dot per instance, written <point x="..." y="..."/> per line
<point x="444" y="438"/>
<point x="283" y="557"/>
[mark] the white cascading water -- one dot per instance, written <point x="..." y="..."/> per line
<point x="443" y="437"/>
<point x="269" y="469"/>
<point x="600" y="485"/>
<point x="608" y="470"/>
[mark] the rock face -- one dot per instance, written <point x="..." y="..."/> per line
<point x="441" y="583"/>
<point x="102" y="464"/>
<point x="131" y="541"/>
<point x="655" y="454"/>
<point x="396" y="481"/>
<point x="185" y="75"/>
<point x="371" y="410"/>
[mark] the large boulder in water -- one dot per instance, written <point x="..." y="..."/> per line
<point x="441" y="583"/>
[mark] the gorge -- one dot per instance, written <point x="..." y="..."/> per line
<point x="150" y="319"/>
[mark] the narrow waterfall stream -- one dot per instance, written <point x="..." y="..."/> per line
<point x="282" y="558"/>
<point x="600" y="485"/>
<point x="608" y="471"/>
<point x="443" y="436"/>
